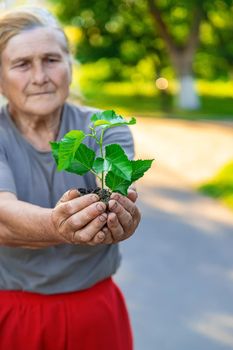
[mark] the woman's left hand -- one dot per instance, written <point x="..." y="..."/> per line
<point x="123" y="217"/>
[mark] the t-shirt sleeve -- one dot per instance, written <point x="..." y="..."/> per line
<point x="7" y="183"/>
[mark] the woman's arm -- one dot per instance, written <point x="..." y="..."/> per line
<point x="74" y="220"/>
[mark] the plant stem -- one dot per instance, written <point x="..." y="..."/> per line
<point x="93" y="172"/>
<point x="100" y="143"/>
<point x="102" y="155"/>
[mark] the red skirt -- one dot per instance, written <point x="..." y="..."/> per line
<point x="93" y="319"/>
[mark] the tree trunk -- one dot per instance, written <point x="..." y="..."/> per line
<point x="182" y="62"/>
<point x="181" y="56"/>
<point x="188" y="97"/>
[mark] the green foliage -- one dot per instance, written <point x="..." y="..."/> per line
<point x="143" y="100"/>
<point x="139" y="167"/>
<point x="65" y="151"/>
<point x="118" y="161"/>
<point x="221" y="185"/>
<point x="125" y="30"/>
<point x="83" y="160"/>
<point x="109" y="119"/>
<point x="113" y="168"/>
<point x="117" y="183"/>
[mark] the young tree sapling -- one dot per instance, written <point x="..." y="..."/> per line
<point x="113" y="168"/>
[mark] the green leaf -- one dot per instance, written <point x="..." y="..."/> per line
<point x="68" y="146"/>
<point x="139" y="167"/>
<point x="100" y="165"/>
<point x="55" y="148"/>
<point x="82" y="161"/>
<point x="109" y="118"/>
<point x="106" y="116"/>
<point x="117" y="183"/>
<point x="101" y="122"/>
<point x="120" y="164"/>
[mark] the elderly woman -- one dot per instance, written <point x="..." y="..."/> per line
<point x="58" y="250"/>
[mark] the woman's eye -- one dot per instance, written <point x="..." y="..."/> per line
<point x="52" y="60"/>
<point x="22" y="65"/>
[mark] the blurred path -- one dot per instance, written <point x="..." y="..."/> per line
<point x="177" y="271"/>
<point x="194" y="150"/>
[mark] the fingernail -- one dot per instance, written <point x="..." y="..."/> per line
<point x="105" y="230"/>
<point x="103" y="217"/>
<point x="94" y="197"/>
<point x="73" y="189"/>
<point x="100" y="207"/>
<point x="112" y="219"/>
<point x="101" y="236"/>
<point x="121" y="200"/>
<point x="115" y="196"/>
<point x="114" y="206"/>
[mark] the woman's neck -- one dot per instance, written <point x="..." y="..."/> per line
<point x="38" y="129"/>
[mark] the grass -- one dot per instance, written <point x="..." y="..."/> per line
<point x="212" y="108"/>
<point x="221" y="185"/>
<point x="129" y="99"/>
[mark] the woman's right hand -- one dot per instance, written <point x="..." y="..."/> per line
<point x="79" y="219"/>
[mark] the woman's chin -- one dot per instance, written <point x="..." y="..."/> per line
<point x="44" y="107"/>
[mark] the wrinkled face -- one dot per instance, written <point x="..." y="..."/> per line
<point x="35" y="72"/>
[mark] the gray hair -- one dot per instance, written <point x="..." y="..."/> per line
<point x="20" y="19"/>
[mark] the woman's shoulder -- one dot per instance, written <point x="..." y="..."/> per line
<point x="80" y="110"/>
<point x="2" y="115"/>
<point x="4" y="122"/>
<point x="76" y="116"/>
<point x="8" y="133"/>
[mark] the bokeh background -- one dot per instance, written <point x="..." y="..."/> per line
<point x="170" y="64"/>
<point x="157" y="59"/>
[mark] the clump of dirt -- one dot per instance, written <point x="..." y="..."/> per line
<point x="104" y="194"/>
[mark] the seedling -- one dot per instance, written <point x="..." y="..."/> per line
<point x="113" y="168"/>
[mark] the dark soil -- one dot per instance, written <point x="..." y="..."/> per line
<point x="104" y="195"/>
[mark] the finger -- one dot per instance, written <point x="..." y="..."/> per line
<point x="98" y="239"/>
<point x="124" y="217"/>
<point x="81" y="218"/>
<point x="125" y="202"/>
<point x="66" y="209"/>
<point x="108" y="236"/>
<point x="132" y="194"/>
<point x="92" y="229"/>
<point x="115" y="227"/>
<point x="68" y="195"/>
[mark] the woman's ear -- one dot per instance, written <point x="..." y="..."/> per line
<point x="2" y="97"/>
<point x="70" y="61"/>
<point x="1" y="88"/>
<point x="0" y="81"/>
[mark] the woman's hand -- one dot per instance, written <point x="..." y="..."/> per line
<point x="83" y="220"/>
<point x="79" y="220"/>
<point x="123" y="217"/>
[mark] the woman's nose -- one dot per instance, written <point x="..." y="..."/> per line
<point x="39" y="75"/>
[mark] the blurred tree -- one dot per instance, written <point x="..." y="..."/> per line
<point x="165" y="30"/>
<point x="181" y="46"/>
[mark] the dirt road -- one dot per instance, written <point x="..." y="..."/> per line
<point x="177" y="270"/>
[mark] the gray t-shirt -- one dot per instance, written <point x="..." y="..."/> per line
<point x="32" y="176"/>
